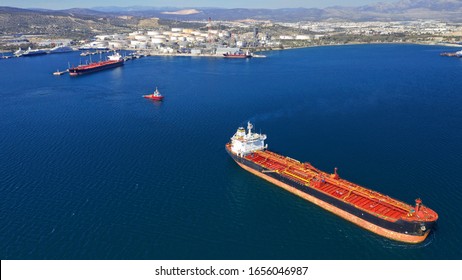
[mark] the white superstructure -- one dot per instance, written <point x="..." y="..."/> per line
<point x="243" y="143"/>
<point x="61" y="49"/>
<point x="19" y="52"/>
<point x="115" y="57"/>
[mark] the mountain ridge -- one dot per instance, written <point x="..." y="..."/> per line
<point x="444" y="10"/>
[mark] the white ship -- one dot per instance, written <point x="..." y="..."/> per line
<point x="32" y="52"/>
<point x="61" y="49"/>
<point x="19" y="52"/>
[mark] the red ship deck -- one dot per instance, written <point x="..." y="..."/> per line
<point x="95" y="65"/>
<point x="367" y="200"/>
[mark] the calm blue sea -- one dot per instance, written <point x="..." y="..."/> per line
<point x="91" y="170"/>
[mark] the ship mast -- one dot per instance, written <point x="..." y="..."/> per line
<point x="249" y="127"/>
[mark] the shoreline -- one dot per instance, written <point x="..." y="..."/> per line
<point x="261" y="53"/>
<point x="258" y="55"/>
<point x="378" y="43"/>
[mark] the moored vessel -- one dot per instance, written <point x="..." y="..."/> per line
<point x="154" y="96"/>
<point x="18" y="53"/>
<point x="31" y="52"/>
<point x="366" y="208"/>
<point x="238" y="55"/>
<point x="61" y="49"/>
<point x="112" y="62"/>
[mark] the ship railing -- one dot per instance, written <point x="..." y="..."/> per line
<point x="352" y="188"/>
<point x="291" y="159"/>
<point x="369" y="193"/>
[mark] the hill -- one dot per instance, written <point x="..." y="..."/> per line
<point x="82" y="23"/>
<point x="445" y="10"/>
<point x="74" y="23"/>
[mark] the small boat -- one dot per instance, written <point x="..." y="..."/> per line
<point x="259" y="55"/>
<point x="154" y="96"/>
<point x="452" y="54"/>
<point x="59" y="73"/>
<point x="5" y="56"/>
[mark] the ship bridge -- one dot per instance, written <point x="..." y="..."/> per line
<point x="243" y="143"/>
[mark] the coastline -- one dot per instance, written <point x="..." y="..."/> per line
<point x="377" y="43"/>
<point x="258" y="55"/>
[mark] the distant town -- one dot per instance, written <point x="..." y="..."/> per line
<point x="214" y="38"/>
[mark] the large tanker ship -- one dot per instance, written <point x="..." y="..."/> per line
<point x="113" y="61"/>
<point x="366" y="208"/>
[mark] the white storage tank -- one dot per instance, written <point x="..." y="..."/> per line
<point x="196" y="51"/>
<point x="153" y="33"/>
<point x="302" y="37"/>
<point x="225" y="34"/>
<point x="142" y="45"/>
<point x="133" y="34"/>
<point x="134" y="43"/>
<point x="138" y="44"/>
<point x="116" y="45"/>
<point x="141" y="37"/>
<point x="157" y="40"/>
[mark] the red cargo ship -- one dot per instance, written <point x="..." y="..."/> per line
<point x="366" y="208"/>
<point x="113" y="61"/>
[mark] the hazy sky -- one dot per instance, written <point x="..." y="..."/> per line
<point x="63" y="4"/>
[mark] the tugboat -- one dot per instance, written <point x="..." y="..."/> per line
<point x="154" y="96"/>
